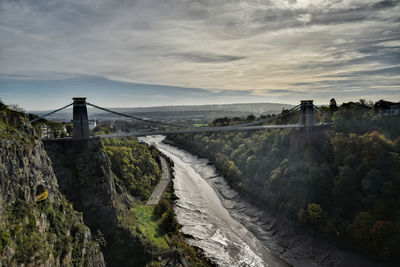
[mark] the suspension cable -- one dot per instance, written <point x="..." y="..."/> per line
<point x="323" y="113"/>
<point x="42" y="117"/>
<point x="126" y="115"/>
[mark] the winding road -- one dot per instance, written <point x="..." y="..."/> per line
<point x="162" y="185"/>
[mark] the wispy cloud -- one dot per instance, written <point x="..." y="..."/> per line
<point x="206" y="58"/>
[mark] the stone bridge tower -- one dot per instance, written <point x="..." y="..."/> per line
<point x="80" y="119"/>
<point x="307" y="113"/>
<point x="309" y="134"/>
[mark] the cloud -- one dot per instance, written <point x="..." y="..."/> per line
<point x="256" y="46"/>
<point x="206" y="58"/>
<point x="384" y="72"/>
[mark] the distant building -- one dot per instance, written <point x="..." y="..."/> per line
<point x="45" y="131"/>
<point x="92" y="124"/>
<point x="64" y="129"/>
<point x="60" y="132"/>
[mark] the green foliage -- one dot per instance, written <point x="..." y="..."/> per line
<point x="21" y="228"/>
<point x="34" y="246"/>
<point x="13" y="126"/>
<point x="149" y="226"/>
<point x="314" y="213"/>
<point x="103" y="129"/>
<point x="346" y="184"/>
<point x="100" y="239"/>
<point x="302" y="216"/>
<point x="361" y="227"/>
<point x="28" y="245"/>
<point x="66" y="226"/>
<point x="155" y="222"/>
<point x="162" y="207"/>
<point x="154" y="264"/>
<point x="232" y="121"/>
<point x="5" y="239"/>
<point x="360" y="118"/>
<point x="382" y="240"/>
<point x="168" y="222"/>
<point x="135" y="164"/>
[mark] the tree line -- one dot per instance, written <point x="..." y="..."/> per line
<point x="134" y="164"/>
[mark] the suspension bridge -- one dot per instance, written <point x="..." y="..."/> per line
<point x="306" y="121"/>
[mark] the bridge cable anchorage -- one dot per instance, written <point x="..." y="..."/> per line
<point x="128" y="116"/>
<point x="42" y="117"/>
<point x="323" y="113"/>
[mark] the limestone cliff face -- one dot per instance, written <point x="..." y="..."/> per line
<point x="47" y="233"/>
<point x="84" y="175"/>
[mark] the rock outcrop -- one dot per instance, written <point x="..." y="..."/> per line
<point x="46" y="233"/>
<point x="84" y="174"/>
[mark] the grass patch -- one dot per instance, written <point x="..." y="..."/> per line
<point x="149" y="226"/>
<point x="200" y="124"/>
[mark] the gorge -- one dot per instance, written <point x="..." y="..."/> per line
<point x="234" y="232"/>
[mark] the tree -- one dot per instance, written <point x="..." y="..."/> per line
<point x="162" y="207"/>
<point x="302" y="216"/>
<point x="381" y="233"/>
<point x="169" y="222"/>
<point x="251" y="164"/>
<point x="15" y="107"/>
<point x="251" y="117"/>
<point x="344" y="187"/>
<point x="361" y="227"/>
<point x="314" y="212"/>
<point x="332" y="105"/>
<point x="69" y="128"/>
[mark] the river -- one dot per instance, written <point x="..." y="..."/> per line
<point x="233" y="232"/>
<point x="200" y="210"/>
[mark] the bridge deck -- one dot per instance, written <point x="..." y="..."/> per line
<point x="210" y="129"/>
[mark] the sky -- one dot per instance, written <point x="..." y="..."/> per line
<point x="131" y="53"/>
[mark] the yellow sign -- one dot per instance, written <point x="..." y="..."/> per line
<point x="42" y="196"/>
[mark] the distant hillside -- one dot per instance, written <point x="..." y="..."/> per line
<point x="258" y="108"/>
